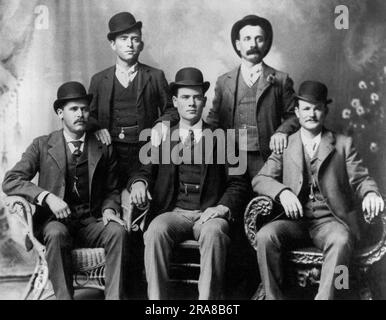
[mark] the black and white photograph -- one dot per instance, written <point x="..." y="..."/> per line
<point x="192" y="150"/>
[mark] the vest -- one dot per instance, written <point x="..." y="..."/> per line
<point x="77" y="171"/>
<point x="314" y="205"/>
<point x="245" y="113"/>
<point x="189" y="179"/>
<point x="124" y="111"/>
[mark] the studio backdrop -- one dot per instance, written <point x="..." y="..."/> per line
<point x="47" y="42"/>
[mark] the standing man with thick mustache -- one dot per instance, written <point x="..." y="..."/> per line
<point x="254" y="96"/>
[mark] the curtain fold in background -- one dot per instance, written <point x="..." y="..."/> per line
<point x="45" y="43"/>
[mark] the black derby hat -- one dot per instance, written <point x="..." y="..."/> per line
<point x="71" y="91"/>
<point x="252" y="20"/>
<point x="314" y="92"/>
<point x="188" y="77"/>
<point x="121" y="22"/>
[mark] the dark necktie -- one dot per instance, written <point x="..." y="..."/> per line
<point x="76" y="154"/>
<point x="190" y="139"/>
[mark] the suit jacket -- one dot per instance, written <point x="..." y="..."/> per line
<point x="275" y="102"/>
<point x="342" y="178"/>
<point x="47" y="156"/>
<point x="153" y="98"/>
<point x="217" y="186"/>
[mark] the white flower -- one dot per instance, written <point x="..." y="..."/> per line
<point x="372" y="83"/>
<point x="374" y="96"/>
<point x="346" y="113"/>
<point x="360" y="111"/>
<point x="374" y="147"/>
<point x="355" y="103"/>
<point x="362" y="85"/>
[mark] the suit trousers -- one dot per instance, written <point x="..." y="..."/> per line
<point x="171" y="228"/>
<point x="60" y="238"/>
<point x="326" y="233"/>
<point x="128" y="161"/>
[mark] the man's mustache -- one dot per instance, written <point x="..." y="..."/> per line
<point x="254" y="50"/>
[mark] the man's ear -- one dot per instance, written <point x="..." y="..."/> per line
<point x="237" y="43"/>
<point x="297" y="111"/>
<point x="174" y="98"/>
<point x="112" y="45"/>
<point x="59" y="112"/>
<point x="142" y="45"/>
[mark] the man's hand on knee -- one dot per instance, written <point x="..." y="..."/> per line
<point x="109" y="215"/>
<point x="219" y="211"/>
<point x="58" y="207"/>
<point x="291" y="204"/>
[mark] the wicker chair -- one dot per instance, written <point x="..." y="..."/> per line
<point x="88" y="263"/>
<point x="304" y="264"/>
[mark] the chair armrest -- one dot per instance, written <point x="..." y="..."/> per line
<point x="23" y="211"/>
<point x="256" y="214"/>
<point x="133" y="216"/>
<point x="369" y="255"/>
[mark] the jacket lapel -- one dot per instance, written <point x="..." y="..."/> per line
<point x="263" y="84"/>
<point x="295" y="150"/>
<point x="106" y="95"/>
<point x="56" y="149"/>
<point x="94" y="155"/>
<point x="144" y="77"/>
<point x="326" y="147"/>
<point x="204" y="165"/>
<point x="231" y="86"/>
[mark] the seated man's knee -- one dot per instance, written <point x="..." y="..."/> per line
<point x="340" y="240"/>
<point x="56" y="231"/>
<point x="157" y="230"/>
<point x="116" y="231"/>
<point x="213" y="232"/>
<point x="265" y="236"/>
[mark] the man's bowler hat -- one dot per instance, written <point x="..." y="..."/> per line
<point x="188" y="77"/>
<point x="314" y="92"/>
<point x="123" y="21"/>
<point x="71" y="91"/>
<point x="252" y="20"/>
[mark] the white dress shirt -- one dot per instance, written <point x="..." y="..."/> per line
<point x="251" y="75"/>
<point x="310" y="145"/>
<point x="125" y="76"/>
<point x="68" y="139"/>
<point x="184" y="131"/>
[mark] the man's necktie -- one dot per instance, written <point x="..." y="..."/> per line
<point x="77" y="153"/>
<point x="190" y="139"/>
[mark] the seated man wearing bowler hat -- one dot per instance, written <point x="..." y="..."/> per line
<point x="317" y="181"/>
<point x="189" y="200"/>
<point x="128" y="97"/>
<point x="77" y="195"/>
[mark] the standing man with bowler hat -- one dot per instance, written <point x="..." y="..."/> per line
<point x="129" y="96"/>
<point x="189" y="200"/>
<point x="317" y="180"/>
<point x="254" y="96"/>
<point x="77" y="198"/>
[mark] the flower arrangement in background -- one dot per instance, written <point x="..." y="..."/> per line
<point x="365" y="116"/>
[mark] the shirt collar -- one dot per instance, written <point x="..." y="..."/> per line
<point x="307" y="141"/>
<point x="197" y="130"/>
<point x="131" y="70"/>
<point x="248" y="70"/>
<point x="69" y="139"/>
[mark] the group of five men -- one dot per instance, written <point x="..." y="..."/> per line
<point x="86" y="166"/>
